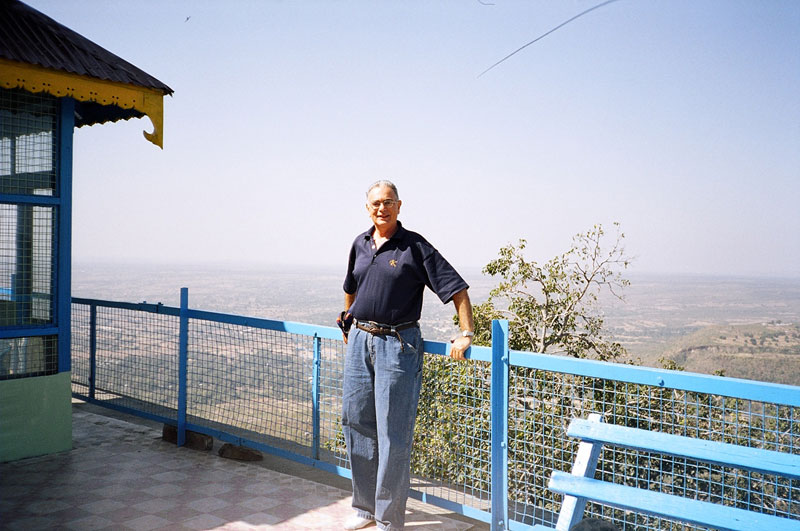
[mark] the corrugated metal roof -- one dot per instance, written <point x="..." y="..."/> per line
<point x="28" y="36"/>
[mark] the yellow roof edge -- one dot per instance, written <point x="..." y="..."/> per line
<point x="35" y="78"/>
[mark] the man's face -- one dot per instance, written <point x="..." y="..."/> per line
<point x="383" y="207"/>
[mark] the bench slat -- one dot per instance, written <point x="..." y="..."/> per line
<point x="585" y="464"/>
<point x="668" y="506"/>
<point x="731" y="455"/>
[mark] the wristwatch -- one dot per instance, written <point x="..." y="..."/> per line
<point x="467" y="333"/>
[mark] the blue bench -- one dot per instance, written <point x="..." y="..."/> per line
<point x="579" y="486"/>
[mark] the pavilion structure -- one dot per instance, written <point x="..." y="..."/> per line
<point x="52" y="80"/>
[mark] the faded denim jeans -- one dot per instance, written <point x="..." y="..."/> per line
<point x="379" y="406"/>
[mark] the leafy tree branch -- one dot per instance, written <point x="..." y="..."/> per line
<point x="553" y="307"/>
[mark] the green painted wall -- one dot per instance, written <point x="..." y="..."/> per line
<point x="35" y="416"/>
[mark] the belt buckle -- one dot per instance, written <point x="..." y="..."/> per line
<point x="369" y="327"/>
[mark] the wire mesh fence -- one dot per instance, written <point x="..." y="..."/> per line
<point x="331" y="372"/>
<point x="135" y="364"/>
<point x="255" y="382"/>
<point x="279" y="388"/>
<point x="252" y="383"/>
<point x="544" y="402"/>
<point x="80" y="346"/>
<point x="451" y="456"/>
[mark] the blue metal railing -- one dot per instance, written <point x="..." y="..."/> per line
<point x="487" y="439"/>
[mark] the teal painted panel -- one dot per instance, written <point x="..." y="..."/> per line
<point x="35" y="416"/>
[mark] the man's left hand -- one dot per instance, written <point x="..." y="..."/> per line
<point x="459" y="346"/>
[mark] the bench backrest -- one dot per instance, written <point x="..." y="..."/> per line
<point x="725" y="454"/>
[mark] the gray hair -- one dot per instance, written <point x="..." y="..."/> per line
<point x="381" y="183"/>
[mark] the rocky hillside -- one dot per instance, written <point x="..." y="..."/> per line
<point x="767" y="352"/>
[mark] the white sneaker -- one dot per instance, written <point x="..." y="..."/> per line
<point x="357" y="522"/>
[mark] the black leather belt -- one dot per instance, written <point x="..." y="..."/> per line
<point x="379" y="329"/>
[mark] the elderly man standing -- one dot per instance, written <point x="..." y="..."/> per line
<point x="387" y="272"/>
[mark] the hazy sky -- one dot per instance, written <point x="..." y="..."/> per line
<point x="679" y="119"/>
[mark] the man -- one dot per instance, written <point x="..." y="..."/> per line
<point x="387" y="272"/>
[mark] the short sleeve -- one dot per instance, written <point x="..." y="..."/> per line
<point x="350" y="285"/>
<point x="443" y="279"/>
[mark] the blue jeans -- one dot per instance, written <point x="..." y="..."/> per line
<point x="379" y="406"/>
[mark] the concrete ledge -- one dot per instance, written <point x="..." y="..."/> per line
<point x="239" y="453"/>
<point x="194" y="440"/>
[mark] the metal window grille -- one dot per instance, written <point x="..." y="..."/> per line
<point x="27" y="146"/>
<point x="27" y="229"/>
<point x="28" y="356"/>
<point x="26" y="264"/>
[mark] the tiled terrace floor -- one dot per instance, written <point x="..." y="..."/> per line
<point x="121" y="475"/>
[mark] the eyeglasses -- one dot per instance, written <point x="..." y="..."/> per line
<point x="388" y="203"/>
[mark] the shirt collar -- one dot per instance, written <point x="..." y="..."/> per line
<point x="398" y="234"/>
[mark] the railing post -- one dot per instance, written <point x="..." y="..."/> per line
<point x="183" y="355"/>
<point x="499" y="399"/>
<point x="92" y="350"/>
<point x="315" y="398"/>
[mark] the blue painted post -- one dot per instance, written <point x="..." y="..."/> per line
<point x="499" y="399"/>
<point x="315" y="398"/>
<point x="63" y="259"/>
<point x="183" y="359"/>
<point x="92" y="350"/>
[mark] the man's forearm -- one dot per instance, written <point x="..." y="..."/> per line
<point x="464" y="310"/>
<point x="461" y="343"/>
<point x="348" y="300"/>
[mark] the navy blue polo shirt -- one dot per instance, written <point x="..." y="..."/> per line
<point x="388" y="282"/>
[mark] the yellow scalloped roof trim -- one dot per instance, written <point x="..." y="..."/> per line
<point x="62" y="84"/>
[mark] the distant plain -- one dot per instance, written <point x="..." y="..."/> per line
<point x="742" y="327"/>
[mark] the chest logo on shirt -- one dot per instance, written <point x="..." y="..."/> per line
<point x="393" y="262"/>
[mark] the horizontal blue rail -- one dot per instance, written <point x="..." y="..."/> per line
<point x="133" y="306"/>
<point x="788" y="395"/>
